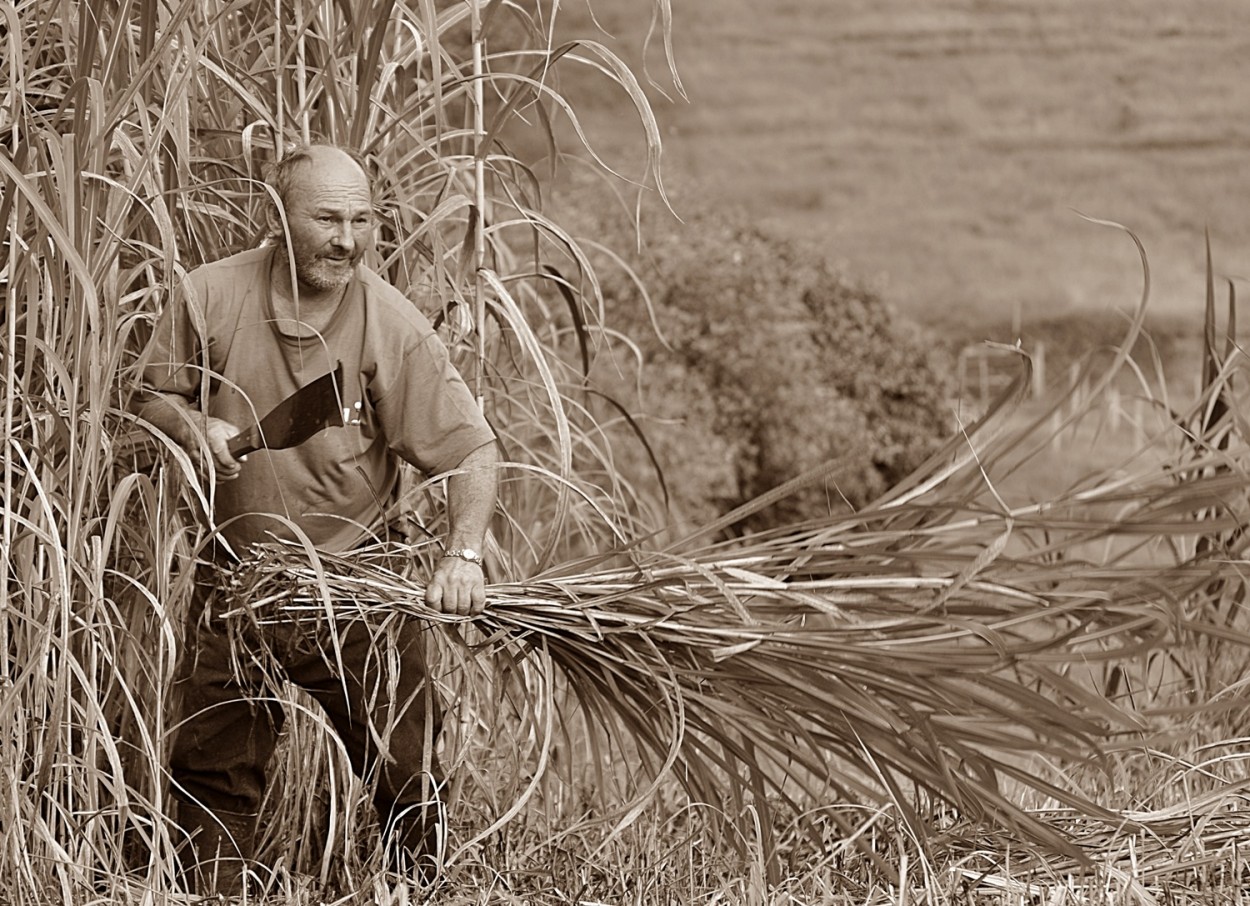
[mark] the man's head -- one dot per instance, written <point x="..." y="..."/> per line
<point x="328" y="200"/>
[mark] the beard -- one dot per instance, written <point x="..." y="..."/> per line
<point x="321" y="273"/>
<point x="314" y="268"/>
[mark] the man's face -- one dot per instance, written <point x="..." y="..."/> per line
<point x="330" y="217"/>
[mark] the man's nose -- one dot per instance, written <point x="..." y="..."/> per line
<point x="343" y="237"/>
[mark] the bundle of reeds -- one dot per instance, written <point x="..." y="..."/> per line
<point x="938" y="647"/>
<point x="811" y="661"/>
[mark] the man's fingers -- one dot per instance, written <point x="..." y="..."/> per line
<point x="217" y="438"/>
<point x="453" y="593"/>
<point x="443" y="596"/>
<point x="457" y="601"/>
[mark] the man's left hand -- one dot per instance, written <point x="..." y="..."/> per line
<point x="457" y="587"/>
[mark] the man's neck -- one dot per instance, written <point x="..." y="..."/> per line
<point x="293" y="301"/>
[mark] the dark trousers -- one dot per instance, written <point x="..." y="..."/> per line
<point x="372" y="682"/>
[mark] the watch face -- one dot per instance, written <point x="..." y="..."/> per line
<point x="470" y="554"/>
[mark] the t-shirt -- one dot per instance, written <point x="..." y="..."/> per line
<point x="398" y="382"/>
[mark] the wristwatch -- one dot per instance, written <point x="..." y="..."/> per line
<point x="464" y="553"/>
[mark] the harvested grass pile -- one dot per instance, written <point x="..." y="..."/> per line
<point x="824" y="663"/>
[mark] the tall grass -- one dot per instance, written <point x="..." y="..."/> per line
<point x="133" y="139"/>
<point x="859" y="694"/>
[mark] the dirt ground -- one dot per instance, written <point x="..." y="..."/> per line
<point x="941" y="149"/>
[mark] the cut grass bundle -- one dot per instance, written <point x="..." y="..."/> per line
<point x="804" y="668"/>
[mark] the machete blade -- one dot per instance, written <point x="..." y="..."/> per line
<point x="310" y="409"/>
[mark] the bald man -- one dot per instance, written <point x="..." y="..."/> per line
<point x="238" y="336"/>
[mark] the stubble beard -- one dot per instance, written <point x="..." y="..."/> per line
<point x="323" y="274"/>
<point x="320" y="273"/>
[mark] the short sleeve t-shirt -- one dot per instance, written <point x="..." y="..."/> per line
<point x="219" y="336"/>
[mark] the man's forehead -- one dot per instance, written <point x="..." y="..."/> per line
<point x="330" y="170"/>
<point x="334" y="195"/>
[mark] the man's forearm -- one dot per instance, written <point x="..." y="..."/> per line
<point x="458" y="586"/>
<point x="471" y="498"/>
<point x="173" y="415"/>
<point x="205" y="438"/>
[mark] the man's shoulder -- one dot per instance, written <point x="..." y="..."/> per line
<point x="219" y="290"/>
<point x="392" y="306"/>
<point x="232" y="277"/>
<point x="232" y="267"/>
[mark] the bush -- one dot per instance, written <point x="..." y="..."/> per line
<point x="767" y="363"/>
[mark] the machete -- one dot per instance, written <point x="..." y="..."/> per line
<point x="310" y="409"/>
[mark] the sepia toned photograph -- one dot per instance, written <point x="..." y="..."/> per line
<point x="623" y="453"/>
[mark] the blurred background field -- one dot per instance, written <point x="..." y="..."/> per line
<point x="942" y="153"/>
<point x="939" y="149"/>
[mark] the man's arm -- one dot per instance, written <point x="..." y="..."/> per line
<point x="169" y="387"/>
<point x="200" y="435"/>
<point x="457" y="585"/>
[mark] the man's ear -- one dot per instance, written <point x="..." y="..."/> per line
<point x="273" y="220"/>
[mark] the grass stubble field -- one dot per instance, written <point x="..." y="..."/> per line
<point x="888" y="707"/>
<point x="940" y="149"/>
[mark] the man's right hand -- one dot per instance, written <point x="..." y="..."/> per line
<point x="217" y="434"/>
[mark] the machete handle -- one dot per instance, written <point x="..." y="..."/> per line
<point x="245" y="442"/>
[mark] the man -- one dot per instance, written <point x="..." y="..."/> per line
<point x="240" y="335"/>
